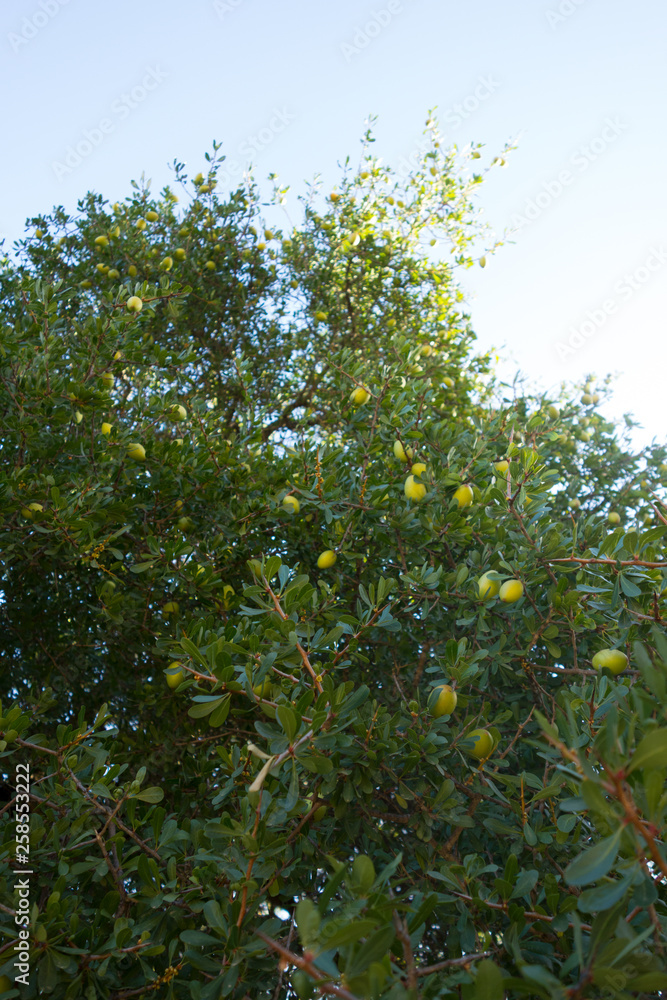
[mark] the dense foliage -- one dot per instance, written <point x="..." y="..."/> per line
<point x="228" y="612"/>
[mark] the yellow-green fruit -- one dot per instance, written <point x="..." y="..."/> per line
<point x="178" y="505"/>
<point x="359" y="396"/>
<point x="613" y="517"/>
<point x="482" y="744"/>
<point x="101" y="241"/>
<point x="575" y="504"/>
<point x="178" y="412"/>
<point x="596" y="399"/>
<point x="141" y="224"/>
<point x="587" y="399"/>
<point x="198" y="178"/>
<point x="418" y="469"/>
<point x="449" y="382"/>
<point x="134" y="304"/>
<point x="185" y="523"/>
<point x="78" y="416"/>
<point x="152" y="216"/>
<point x="441" y="701"/>
<point x="326" y="559"/>
<point x="553" y="412"/>
<point x="113" y="273"/>
<point x="464" y="496"/>
<point x="170" y="608"/>
<point x="136" y="451"/>
<point x="321" y="317"/>
<point x="166" y="263"/>
<point x="613" y="659"/>
<point x="132" y="271"/>
<point x="106" y="429"/>
<point x="488" y="588"/>
<point x="176" y="677"/>
<point x="414" y="490"/>
<point x="319" y="813"/>
<point x="291" y="503"/>
<point x="363" y="871"/>
<point x="39" y="233"/>
<point x="401" y="453"/>
<point x="210" y="265"/>
<point x="179" y="442"/>
<point x="108" y="380"/>
<point x="302" y="984"/>
<point x="501" y="467"/>
<point x="511" y="591"/>
<point x="426" y="350"/>
<point x="263" y="690"/>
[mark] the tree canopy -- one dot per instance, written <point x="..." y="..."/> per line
<point x="339" y="667"/>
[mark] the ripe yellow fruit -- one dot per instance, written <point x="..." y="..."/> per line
<point x="174" y="674"/>
<point x="78" y="416"/>
<point x="511" y="591"/>
<point x="170" y="608"/>
<point x="442" y="700"/>
<point x="106" y="429"/>
<point x="613" y="517"/>
<point x="401" y="453"/>
<point x="101" y="241"/>
<point x="134" y="304"/>
<point x="136" y="451"/>
<point x="464" y="496"/>
<point x="326" y="559"/>
<point x="413" y="490"/>
<point x="177" y="412"/>
<point x="210" y="265"/>
<point x="501" y="468"/>
<point x="488" y="588"/>
<point x="482" y="744"/>
<point x="418" y="469"/>
<point x="614" y="659"/>
<point x="359" y="396"/>
<point x="108" y="380"/>
<point x="292" y="504"/>
<point x="152" y="216"/>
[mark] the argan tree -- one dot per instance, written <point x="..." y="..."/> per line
<point x="337" y="667"/>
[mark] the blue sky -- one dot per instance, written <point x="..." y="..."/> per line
<point x="579" y="84"/>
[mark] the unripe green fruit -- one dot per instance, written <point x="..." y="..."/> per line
<point x="170" y="608"/>
<point x="488" y="588"/>
<point x="108" y="380"/>
<point x="614" y="659"/>
<point x="449" y="382"/>
<point x="414" y="490"/>
<point x="613" y="517"/>
<point x="180" y="254"/>
<point x="166" y="263"/>
<point x="464" y="496"/>
<point x="292" y="504"/>
<point x="177" y="412"/>
<point x="136" y="451"/>
<point x="553" y="412"/>
<point x="320" y="813"/>
<point x="442" y="701"/>
<point x="326" y="559"/>
<point x="587" y="399"/>
<point x="482" y="744"/>
<point x="321" y="317"/>
<point x="185" y="523"/>
<point x="263" y="690"/>
<point x="511" y="591"/>
<point x="152" y="216"/>
<point x="134" y="304"/>
<point x="502" y="468"/>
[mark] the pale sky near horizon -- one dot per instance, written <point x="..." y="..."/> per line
<point x="579" y="83"/>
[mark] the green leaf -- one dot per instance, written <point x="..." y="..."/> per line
<point x="287" y="719"/>
<point x="651" y="752"/>
<point x="201" y="710"/>
<point x="488" y="981"/>
<point x="594" y="863"/>
<point x="150" y="794"/>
